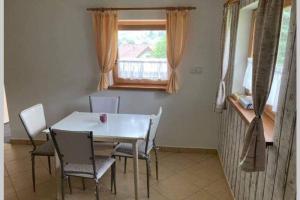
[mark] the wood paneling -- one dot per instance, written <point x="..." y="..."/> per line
<point x="278" y="181"/>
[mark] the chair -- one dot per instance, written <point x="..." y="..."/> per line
<point x="33" y="120"/>
<point x="76" y="155"/>
<point x="100" y="104"/>
<point x="144" y="148"/>
<point x="104" y="104"/>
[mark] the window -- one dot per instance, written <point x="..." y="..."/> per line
<point x="274" y="93"/>
<point x="142" y="60"/>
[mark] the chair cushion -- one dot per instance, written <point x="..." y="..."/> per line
<point x="103" y="163"/>
<point x="45" y="149"/>
<point x="125" y="149"/>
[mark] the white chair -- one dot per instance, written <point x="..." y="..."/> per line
<point x="76" y="155"/>
<point x="34" y="122"/>
<point x="144" y="147"/>
<point x="100" y="104"/>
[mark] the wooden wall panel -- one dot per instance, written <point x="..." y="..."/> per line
<point x="258" y="186"/>
<point x="278" y="181"/>
<point x="290" y="188"/>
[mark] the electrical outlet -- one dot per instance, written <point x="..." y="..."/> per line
<point x="196" y="70"/>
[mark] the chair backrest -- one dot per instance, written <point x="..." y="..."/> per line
<point x="104" y="104"/>
<point x="73" y="147"/>
<point x="153" y="129"/>
<point x="33" y="119"/>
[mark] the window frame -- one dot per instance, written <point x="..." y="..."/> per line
<point x="139" y="83"/>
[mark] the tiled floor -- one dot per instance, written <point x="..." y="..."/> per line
<point x="186" y="176"/>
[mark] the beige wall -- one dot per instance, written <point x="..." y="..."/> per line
<point x="50" y="58"/>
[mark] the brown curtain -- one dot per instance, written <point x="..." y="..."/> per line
<point x="267" y="31"/>
<point x="106" y="31"/>
<point x="228" y="41"/>
<point x="177" y="21"/>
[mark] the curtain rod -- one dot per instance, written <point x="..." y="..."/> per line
<point x="144" y="8"/>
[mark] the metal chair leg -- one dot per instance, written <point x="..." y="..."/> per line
<point x="115" y="183"/>
<point x="111" y="178"/>
<point x="83" y="183"/>
<point x="62" y="188"/>
<point x="156" y="162"/>
<point x="97" y="190"/>
<point x="69" y="183"/>
<point x="33" y="171"/>
<point x="125" y="164"/>
<point x="49" y="164"/>
<point x="147" y="168"/>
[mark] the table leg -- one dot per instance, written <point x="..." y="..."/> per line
<point x="57" y="176"/>
<point x="136" y="169"/>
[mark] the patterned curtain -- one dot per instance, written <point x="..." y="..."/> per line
<point x="267" y="31"/>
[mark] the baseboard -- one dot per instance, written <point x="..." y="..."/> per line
<point x="187" y="150"/>
<point x="25" y="142"/>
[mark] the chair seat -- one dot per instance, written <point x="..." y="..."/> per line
<point x="45" y="149"/>
<point x="103" y="163"/>
<point x="125" y="149"/>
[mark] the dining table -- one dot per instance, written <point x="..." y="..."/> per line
<point x="127" y="128"/>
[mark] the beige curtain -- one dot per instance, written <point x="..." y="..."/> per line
<point x="106" y="31"/>
<point x="177" y="21"/>
<point x="228" y="41"/>
<point x="267" y="31"/>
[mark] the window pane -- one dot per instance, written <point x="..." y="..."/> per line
<point x="284" y="32"/>
<point x="142" y="54"/>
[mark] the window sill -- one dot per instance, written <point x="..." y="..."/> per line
<point x="138" y="87"/>
<point x="248" y="115"/>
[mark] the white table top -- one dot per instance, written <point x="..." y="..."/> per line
<point x="118" y="126"/>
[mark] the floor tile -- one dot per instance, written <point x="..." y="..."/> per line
<point x="176" y="187"/>
<point x="182" y="176"/>
<point x="201" y="195"/>
<point x="219" y="190"/>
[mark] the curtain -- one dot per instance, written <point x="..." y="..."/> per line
<point x="267" y="31"/>
<point x="177" y="21"/>
<point x="142" y="68"/>
<point x="228" y="40"/>
<point x="106" y="31"/>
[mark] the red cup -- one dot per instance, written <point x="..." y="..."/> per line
<point x="103" y="118"/>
